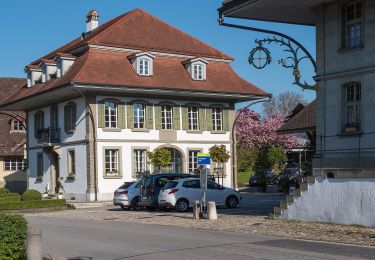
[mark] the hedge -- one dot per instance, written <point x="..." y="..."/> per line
<point x="10" y="198"/>
<point x="4" y="191"/>
<point x="31" y="204"/>
<point x="31" y="195"/>
<point x="13" y="230"/>
<point x="9" y="195"/>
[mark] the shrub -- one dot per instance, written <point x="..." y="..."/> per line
<point x="9" y="195"/>
<point x="31" y="204"/>
<point x="31" y="195"/>
<point x="10" y="198"/>
<point x="13" y="229"/>
<point x="4" y="191"/>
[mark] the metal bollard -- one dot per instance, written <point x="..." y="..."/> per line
<point x="211" y="210"/>
<point x="34" y="243"/>
<point x="197" y="210"/>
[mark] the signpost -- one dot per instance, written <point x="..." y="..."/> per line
<point x="204" y="162"/>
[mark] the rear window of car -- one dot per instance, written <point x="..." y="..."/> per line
<point x="126" y="185"/>
<point x="170" y="185"/>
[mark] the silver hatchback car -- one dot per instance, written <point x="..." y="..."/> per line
<point x="127" y="195"/>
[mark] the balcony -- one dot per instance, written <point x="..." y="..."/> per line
<point x="48" y="136"/>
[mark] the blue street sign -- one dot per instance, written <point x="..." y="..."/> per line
<point x="204" y="159"/>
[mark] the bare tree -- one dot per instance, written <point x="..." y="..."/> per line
<point x="283" y="103"/>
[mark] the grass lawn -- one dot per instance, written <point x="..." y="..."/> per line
<point x="243" y="179"/>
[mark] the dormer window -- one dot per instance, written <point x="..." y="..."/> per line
<point x="196" y="68"/>
<point x="17" y="126"/>
<point x="142" y="63"/>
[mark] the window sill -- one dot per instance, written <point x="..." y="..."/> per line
<point x="194" y="131"/>
<point x="218" y="132"/>
<point x="140" y="130"/>
<point x="69" y="132"/>
<point x="111" y="129"/>
<point x="112" y="177"/>
<point x="349" y="50"/>
<point x="348" y="134"/>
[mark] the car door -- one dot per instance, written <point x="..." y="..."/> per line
<point x="214" y="193"/>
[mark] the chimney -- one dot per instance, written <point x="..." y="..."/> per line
<point x="92" y="21"/>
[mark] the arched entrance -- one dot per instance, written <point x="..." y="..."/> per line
<point x="176" y="165"/>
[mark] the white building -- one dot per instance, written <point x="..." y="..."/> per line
<point x="96" y="105"/>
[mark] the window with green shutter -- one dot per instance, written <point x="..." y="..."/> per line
<point x="158" y="117"/>
<point x="70" y="117"/>
<point x="217" y="118"/>
<point x="139" y="115"/>
<point x="226" y="123"/>
<point x="149" y="116"/>
<point x="38" y="123"/>
<point x="121" y="115"/>
<point x="185" y="121"/>
<point x="110" y="114"/>
<point x="202" y="119"/>
<point x="166" y="117"/>
<point x="176" y="118"/>
<point x="193" y="118"/>
<point x="101" y="123"/>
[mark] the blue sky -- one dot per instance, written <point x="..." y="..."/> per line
<point x="30" y="29"/>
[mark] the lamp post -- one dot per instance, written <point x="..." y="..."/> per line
<point x="234" y="140"/>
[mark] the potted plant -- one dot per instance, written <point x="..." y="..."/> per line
<point x="351" y="127"/>
<point x="72" y="176"/>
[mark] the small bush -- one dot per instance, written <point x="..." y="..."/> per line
<point x="31" y="195"/>
<point x="4" y="191"/>
<point x="9" y="195"/>
<point x="31" y="204"/>
<point x="10" y="198"/>
<point x="13" y="229"/>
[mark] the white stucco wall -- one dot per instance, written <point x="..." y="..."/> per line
<point x="342" y="201"/>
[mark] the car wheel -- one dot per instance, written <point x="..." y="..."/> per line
<point x="124" y="207"/>
<point x="232" y="202"/>
<point x="182" y="205"/>
<point x="134" y="205"/>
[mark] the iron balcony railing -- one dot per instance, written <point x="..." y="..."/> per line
<point x="49" y="135"/>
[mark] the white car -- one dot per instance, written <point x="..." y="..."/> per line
<point x="127" y="195"/>
<point x="181" y="194"/>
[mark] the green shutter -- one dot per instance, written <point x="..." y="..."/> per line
<point x="202" y="119"/>
<point x="209" y="118"/>
<point x="121" y="115"/>
<point x="149" y="117"/>
<point x="185" y="118"/>
<point x="226" y="123"/>
<point x="35" y="125"/>
<point x="101" y="115"/>
<point x="176" y="118"/>
<point x="130" y="116"/>
<point x="157" y="116"/>
<point x="66" y="118"/>
<point x="74" y="116"/>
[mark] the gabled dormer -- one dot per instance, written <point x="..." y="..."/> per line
<point x="34" y="74"/>
<point x="142" y="63"/>
<point x="196" y="68"/>
<point x="63" y="62"/>
<point x="49" y="69"/>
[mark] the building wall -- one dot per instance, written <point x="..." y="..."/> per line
<point x="336" y="67"/>
<point x="15" y="181"/>
<point x="346" y="201"/>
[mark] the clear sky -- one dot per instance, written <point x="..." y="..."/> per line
<point x="30" y="29"/>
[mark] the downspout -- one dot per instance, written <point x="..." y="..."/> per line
<point x="94" y="137"/>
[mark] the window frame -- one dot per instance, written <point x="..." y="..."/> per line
<point x="17" y="126"/>
<point x="166" y="117"/>
<point x="215" y="119"/>
<point x="15" y="164"/>
<point x="352" y="98"/>
<point x="138" y="164"/>
<point x="197" y="71"/>
<point x="39" y="166"/>
<point x="193" y="162"/>
<point x="71" y="162"/>
<point x="354" y="21"/>
<point x="193" y="123"/>
<point x="144" y="66"/>
<point x="137" y="124"/>
<point x="110" y="115"/>
<point x="71" y="117"/>
<point x="110" y="172"/>
<point x="38" y="122"/>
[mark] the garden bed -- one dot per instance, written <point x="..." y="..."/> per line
<point x="32" y="205"/>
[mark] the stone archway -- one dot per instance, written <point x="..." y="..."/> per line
<point x="177" y="160"/>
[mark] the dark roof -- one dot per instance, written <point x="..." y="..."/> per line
<point x="11" y="144"/>
<point x="301" y="120"/>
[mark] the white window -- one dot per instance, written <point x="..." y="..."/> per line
<point x="198" y="72"/>
<point x="217" y="119"/>
<point x="144" y="67"/>
<point x="112" y="162"/>
<point x="166" y="116"/>
<point x="139" y="115"/>
<point x="193" y="161"/>
<point x="353" y="26"/>
<point x="353" y="105"/>
<point x="17" y="126"/>
<point x="71" y="163"/>
<point x="140" y="159"/>
<point x="14" y="164"/>
<point x="193" y="118"/>
<point x="110" y="114"/>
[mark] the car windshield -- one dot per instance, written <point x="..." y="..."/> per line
<point x="170" y="185"/>
<point x="126" y="185"/>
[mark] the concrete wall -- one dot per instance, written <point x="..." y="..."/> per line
<point x="343" y="201"/>
<point x="336" y="67"/>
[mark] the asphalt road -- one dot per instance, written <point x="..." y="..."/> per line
<point x="84" y="239"/>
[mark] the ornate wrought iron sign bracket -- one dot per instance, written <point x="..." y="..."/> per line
<point x="260" y="56"/>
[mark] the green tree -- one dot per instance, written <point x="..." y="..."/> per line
<point x="219" y="155"/>
<point x="272" y="157"/>
<point x="246" y="158"/>
<point x="161" y="157"/>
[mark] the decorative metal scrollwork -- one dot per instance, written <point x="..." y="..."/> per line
<point x="260" y="57"/>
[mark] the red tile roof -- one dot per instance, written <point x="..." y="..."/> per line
<point x="139" y="30"/>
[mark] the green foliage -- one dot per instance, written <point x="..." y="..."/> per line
<point x="13" y="230"/>
<point x="161" y="157"/>
<point x="9" y="195"/>
<point x="246" y="158"/>
<point x="273" y="158"/>
<point x="219" y="154"/>
<point x="10" y="198"/>
<point x="243" y="178"/>
<point x="4" y="191"/>
<point x="31" y="204"/>
<point x="31" y="195"/>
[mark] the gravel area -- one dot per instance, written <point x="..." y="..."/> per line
<point x="260" y="225"/>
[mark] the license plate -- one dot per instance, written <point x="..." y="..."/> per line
<point x="144" y="198"/>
